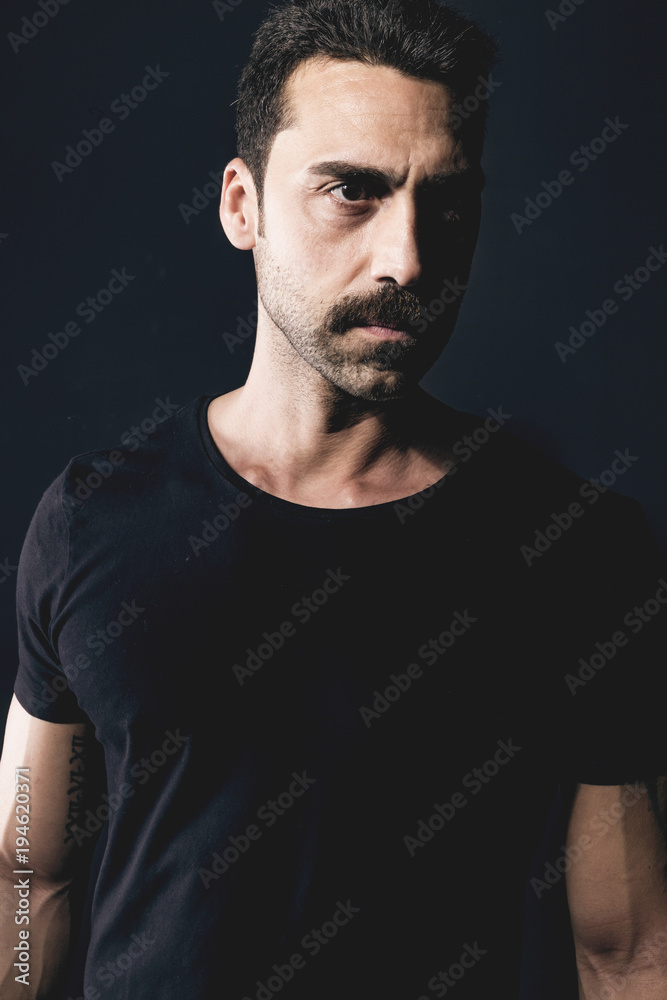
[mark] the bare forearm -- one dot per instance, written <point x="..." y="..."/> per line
<point x="34" y="940"/>
<point x="50" y="774"/>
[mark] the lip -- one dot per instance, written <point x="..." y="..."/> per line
<point x="387" y="333"/>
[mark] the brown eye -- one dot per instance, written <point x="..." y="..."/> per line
<point x="356" y="191"/>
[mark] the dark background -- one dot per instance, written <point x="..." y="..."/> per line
<point x="162" y="337"/>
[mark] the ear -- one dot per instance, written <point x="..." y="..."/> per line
<point x="238" y="205"/>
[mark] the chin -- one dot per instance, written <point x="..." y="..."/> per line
<point x="385" y="394"/>
<point x="375" y="382"/>
<point x="383" y="390"/>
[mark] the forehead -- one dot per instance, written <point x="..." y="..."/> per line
<point x="350" y="110"/>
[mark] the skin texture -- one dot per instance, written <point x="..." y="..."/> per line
<point x="332" y="415"/>
<point x="617" y="889"/>
<point x="65" y="778"/>
<point x="325" y="241"/>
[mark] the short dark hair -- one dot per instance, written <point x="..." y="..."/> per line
<point x="421" y="38"/>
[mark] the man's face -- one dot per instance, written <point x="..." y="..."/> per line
<point x="370" y="205"/>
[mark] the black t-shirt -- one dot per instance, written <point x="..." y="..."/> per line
<point x="332" y="737"/>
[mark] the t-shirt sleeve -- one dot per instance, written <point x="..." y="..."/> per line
<point x="615" y="677"/>
<point x="41" y="685"/>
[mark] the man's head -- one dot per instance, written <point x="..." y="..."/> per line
<point x="420" y="38"/>
<point x="358" y="181"/>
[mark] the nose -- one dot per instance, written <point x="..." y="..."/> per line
<point x="396" y="254"/>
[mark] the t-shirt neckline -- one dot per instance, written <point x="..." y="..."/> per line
<point x="301" y="510"/>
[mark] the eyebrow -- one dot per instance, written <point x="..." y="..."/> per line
<point x="348" y="171"/>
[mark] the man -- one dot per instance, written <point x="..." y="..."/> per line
<point x="329" y="757"/>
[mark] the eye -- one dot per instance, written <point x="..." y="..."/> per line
<point x="458" y="209"/>
<point x="453" y="212"/>
<point x="356" y="191"/>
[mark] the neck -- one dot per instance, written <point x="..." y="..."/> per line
<point x="292" y="433"/>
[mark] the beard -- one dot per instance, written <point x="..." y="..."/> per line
<point x="325" y="340"/>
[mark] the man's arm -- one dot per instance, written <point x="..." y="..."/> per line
<point x="55" y="770"/>
<point x="617" y="889"/>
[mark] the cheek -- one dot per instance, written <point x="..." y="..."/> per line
<point x="297" y="244"/>
<point x="324" y="262"/>
<point x="316" y="246"/>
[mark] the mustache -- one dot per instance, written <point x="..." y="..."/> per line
<point x="397" y="306"/>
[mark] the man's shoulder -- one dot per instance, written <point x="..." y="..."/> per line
<point x="492" y="445"/>
<point x="521" y="477"/>
<point x="145" y="458"/>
